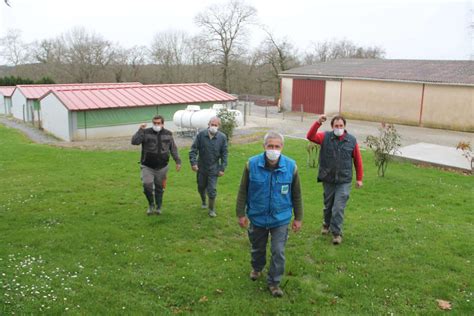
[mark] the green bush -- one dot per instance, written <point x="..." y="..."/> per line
<point x="228" y="122"/>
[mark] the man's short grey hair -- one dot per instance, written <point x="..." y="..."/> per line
<point x="215" y="118"/>
<point x="273" y="135"/>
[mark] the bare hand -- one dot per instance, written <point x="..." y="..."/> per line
<point x="195" y="168"/>
<point x="359" y="184"/>
<point x="322" y="119"/>
<point x="178" y="167"/>
<point x="296" y="226"/>
<point x="143" y="126"/>
<point x="220" y="173"/>
<point x="243" y="222"/>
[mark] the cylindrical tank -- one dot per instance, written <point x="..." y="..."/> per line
<point x="193" y="117"/>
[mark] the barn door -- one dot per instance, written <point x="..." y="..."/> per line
<point x="309" y="93"/>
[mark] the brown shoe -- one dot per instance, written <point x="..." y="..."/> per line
<point x="275" y="290"/>
<point x="325" y="230"/>
<point x="337" y="240"/>
<point x="254" y="275"/>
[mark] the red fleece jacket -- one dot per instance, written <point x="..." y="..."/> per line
<point x="318" y="138"/>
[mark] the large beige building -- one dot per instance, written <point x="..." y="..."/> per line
<point x="431" y="93"/>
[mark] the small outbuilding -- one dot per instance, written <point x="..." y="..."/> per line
<point x="80" y="114"/>
<point x="25" y="98"/>
<point x="431" y="93"/>
<point x="6" y="99"/>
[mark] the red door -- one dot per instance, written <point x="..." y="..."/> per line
<point x="309" y="93"/>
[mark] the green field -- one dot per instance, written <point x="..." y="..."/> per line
<point x="75" y="238"/>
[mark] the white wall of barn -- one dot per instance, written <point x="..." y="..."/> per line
<point x="3" y="109"/>
<point x="55" y="117"/>
<point x="19" y="105"/>
<point x="332" y="97"/>
<point x="286" y="93"/>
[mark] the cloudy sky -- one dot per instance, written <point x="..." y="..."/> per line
<point x="416" y="29"/>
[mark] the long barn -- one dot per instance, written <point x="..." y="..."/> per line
<point x="80" y="114"/>
<point x="25" y="98"/>
<point x="431" y="93"/>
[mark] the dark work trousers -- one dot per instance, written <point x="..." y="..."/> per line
<point x="207" y="183"/>
<point x="154" y="181"/>
<point x="258" y="237"/>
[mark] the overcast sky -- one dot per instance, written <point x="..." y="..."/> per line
<point x="416" y="29"/>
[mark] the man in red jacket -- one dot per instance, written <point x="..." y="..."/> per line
<point x="339" y="150"/>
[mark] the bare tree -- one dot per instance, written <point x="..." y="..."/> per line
<point x="172" y="50"/>
<point x="12" y="48"/>
<point x="280" y="54"/>
<point x="224" y="28"/>
<point x="88" y="54"/>
<point x="328" y="50"/>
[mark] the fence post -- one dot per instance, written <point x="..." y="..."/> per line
<point x="302" y="112"/>
<point x="245" y="113"/>
<point x="266" y="111"/>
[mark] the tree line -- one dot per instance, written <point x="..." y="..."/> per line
<point x="218" y="54"/>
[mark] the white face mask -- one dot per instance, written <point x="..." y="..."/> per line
<point x="213" y="129"/>
<point x="157" y="128"/>
<point x="338" y="131"/>
<point x="273" y="154"/>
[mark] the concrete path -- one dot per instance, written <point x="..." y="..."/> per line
<point x="437" y="155"/>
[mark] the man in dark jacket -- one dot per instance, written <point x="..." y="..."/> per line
<point x="208" y="158"/>
<point x="269" y="194"/>
<point x="157" y="144"/>
<point x="339" y="150"/>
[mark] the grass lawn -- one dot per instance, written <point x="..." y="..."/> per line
<point x="75" y="238"/>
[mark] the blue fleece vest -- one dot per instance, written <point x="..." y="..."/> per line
<point x="335" y="158"/>
<point x="269" y="200"/>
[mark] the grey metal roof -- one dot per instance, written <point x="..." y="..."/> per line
<point x="460" y="72"/>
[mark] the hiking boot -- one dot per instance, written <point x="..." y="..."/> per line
<point x="254" y="275"/>
<point x="212" y="213"/>
<point x="150" y="209"/>
<point x="275" y="290"/>
<point x="325" y="230"/>
<point x="337" y="239"/>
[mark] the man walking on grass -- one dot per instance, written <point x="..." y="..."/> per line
<point x="268" y="196"/>
<point x="339" y="150"/>
<point x="157" y="145"/>
<point x="208" y="158"/>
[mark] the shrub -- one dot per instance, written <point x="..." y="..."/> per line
<point x="228" y="122"/>
<point x="384" y="145"/>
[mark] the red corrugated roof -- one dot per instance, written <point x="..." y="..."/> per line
<point x="121" y="97"/>
<point x="32" y="91"/>
<point x="7" y="91"/>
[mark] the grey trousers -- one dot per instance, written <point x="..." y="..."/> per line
<point x="335" y="200"/>
<point x="258" y="237"/>
<point x="207" y="183"/>
<point x="154" y="184"/>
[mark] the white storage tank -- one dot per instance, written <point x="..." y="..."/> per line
<point x="195" y="118"/>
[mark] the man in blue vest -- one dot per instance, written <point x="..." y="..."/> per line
<point x="339" y="150"/>
<point x="269" y="194"/>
